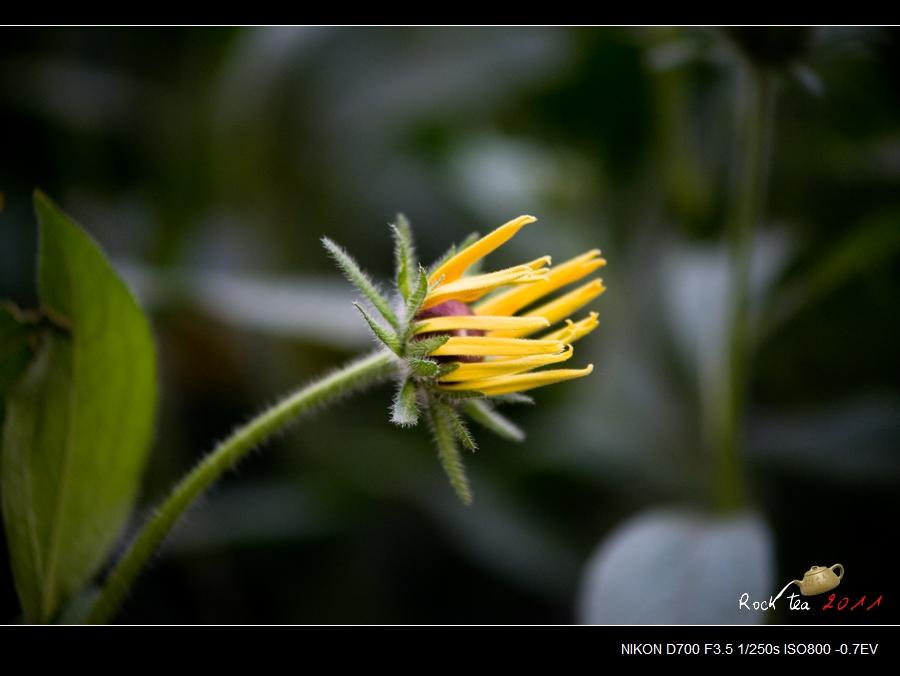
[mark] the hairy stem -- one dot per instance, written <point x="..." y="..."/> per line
<point x="355" y="375"/>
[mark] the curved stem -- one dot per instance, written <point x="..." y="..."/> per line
<point x="753" y="166"/>
<point x="355" y="375"/>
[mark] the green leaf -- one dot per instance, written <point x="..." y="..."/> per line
<point x="426" y="346"/>
<point x="446" y="441"/>
<point x="386" y="336"/>
<point x="359" y="278"/>
<point x="78" y="422"/>
<point x="405" y="411"/>
<point x="404" y="254"/>
<point x="483" y="412"/>
<point x="15" y="349"/>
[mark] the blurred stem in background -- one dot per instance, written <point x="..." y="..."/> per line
<point x="725" y="406"/>
<point x="766" y="52"/>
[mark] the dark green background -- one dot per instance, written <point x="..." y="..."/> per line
<point x="232" y="151"/>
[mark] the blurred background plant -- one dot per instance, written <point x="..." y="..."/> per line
<point x="209" y="162"/>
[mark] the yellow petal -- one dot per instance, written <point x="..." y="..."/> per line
<point x="509" y="302"/>
<point x="480" y="346"/>
<point x="539" y="263"/>
<point x="454" y="268"/>
<point x="492" y="369"/>
<point x="472" y="288"/>
<point x="573" y="332"/>
<point x="529" y="324"/>
<point x="559" y="309"/>
<point x="518" y="382"/>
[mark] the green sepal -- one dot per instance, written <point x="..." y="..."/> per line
<point x="459" y="427"/>
<point x="386" y="336"/>
<point x="361" y="280"/>
<point x="512" y="398"/>
<point x="415" y="300"/>
<point x="425" y="347"/>
<point x="423" y="368"/>
<point x="405" y="411"/>
<point x="445" y="437"/>
<point x="459" y="395"/>
<point x="405" y="255"/>
<point x="444" y="369"/>
<point x="426" y="368"/>
<point x="484" y="413"/>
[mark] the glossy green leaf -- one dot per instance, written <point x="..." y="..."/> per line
<point x="78" y="422"/>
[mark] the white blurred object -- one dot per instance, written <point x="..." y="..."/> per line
<point x="674" y="567"/>
<point x="696" y="283"/>
<point x="317" y="309"/>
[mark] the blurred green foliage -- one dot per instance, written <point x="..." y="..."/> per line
<point x="209" y="163"/>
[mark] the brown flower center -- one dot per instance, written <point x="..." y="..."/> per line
<point x="450" y="308"/>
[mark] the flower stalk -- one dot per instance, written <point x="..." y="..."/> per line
<point x="353" y="377"/>
<point x="448" y="357"/>
<point x="461" y="338"/>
